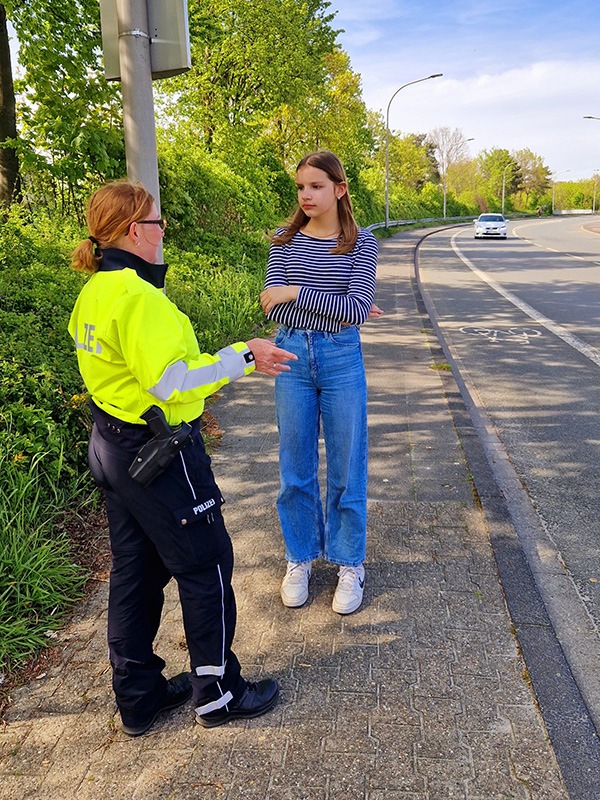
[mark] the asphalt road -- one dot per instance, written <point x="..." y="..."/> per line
<point x="522" y="321"/>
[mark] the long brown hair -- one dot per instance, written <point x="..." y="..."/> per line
<point x="330" y="164"/>
<point x="110" y="211"/>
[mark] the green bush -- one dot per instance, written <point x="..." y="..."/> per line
<point x="204" y="198"/>
<point x="38" y="372"/>
<point x="220" y="296"/>
<point x="367" y="210"/>
<point x="42" y="440"/>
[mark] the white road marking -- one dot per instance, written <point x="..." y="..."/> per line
<point x="516" y="231"/>
<point x="500" y="334"/>
<point x="592" y="353"/>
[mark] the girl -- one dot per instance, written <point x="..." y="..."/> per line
<point x="319" y="287"/>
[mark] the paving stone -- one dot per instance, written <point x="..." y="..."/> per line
<point x="446" y="779"/>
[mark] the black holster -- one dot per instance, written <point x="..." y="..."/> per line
<point x="156" y="455"/>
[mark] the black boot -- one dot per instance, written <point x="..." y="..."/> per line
<point x="178" y="691"/>
<point x="257" y="699"/>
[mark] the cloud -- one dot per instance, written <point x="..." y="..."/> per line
<point x="357" y="13"/>
<point x="539" y="106"/>
<point x="363" y="25"/>
<point x="362" y="35"/>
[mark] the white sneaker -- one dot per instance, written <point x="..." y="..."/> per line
<point x="294" y="587"/>
<point x="349" y="593"/>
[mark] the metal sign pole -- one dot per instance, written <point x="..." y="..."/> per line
<point x="129" y="28"/>
<point x="138" y="101"/>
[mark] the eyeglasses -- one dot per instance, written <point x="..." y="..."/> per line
<point x="162" y="223"/>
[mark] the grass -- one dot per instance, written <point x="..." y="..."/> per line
<point x="445" y="367"/>
<point x="38" y="577"/>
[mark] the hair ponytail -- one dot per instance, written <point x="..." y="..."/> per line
<point x="85" y="258"/>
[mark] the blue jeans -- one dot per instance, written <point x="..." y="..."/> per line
<point x="326" y="386"/>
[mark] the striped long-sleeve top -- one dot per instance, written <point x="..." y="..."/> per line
<point x="335" y="288"/>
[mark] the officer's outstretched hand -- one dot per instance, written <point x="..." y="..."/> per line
<point x="268" y="358"/>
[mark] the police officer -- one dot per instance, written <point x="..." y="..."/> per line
<point x="136" y="350"/>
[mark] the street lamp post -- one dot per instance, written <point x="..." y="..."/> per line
<point x="594" y="195"/>
<point x="387" y="142"/>
<point x="588" y="116"/>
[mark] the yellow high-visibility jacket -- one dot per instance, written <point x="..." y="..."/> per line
<point x="135" y="348"/>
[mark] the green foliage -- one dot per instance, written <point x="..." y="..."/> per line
<point x="535" y="179"/>
<point x="405" y="202"/>
<point x="462" y="181"/>
<point x="499" y="173"/>
<point x="38" y="580"/>
<point x="332" y="116"/>
<point x="367" y="208"/>
<point x="38" y="377"/>
<point x="41" y="434"/>
<point x="203" y="196"/>
<point x="583" y="195"/>
<point x="249" y="59"/>
<point x="69" y="117"/>
<point x="457" y="207"/>
<point x="410" y="161"/>
<point x="431" y="198"/>
<point x="279" y="181"/>
<point x="219" y="296"/>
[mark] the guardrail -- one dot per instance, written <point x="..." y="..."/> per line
<point x="429" y="220"/>
<point x="398" y="222"/>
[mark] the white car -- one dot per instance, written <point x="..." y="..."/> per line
<point x="493" y="225"/>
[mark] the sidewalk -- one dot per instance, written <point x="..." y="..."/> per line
<point x="419" y="695"/>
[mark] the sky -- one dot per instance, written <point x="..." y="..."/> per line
<point x="516" y="75"/>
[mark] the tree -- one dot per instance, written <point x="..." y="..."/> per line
<point x="411" y="159"/>
<point x="9" y="163"/>
<point x="332" y="117"/>
<point x="535" y="176"/>
<point x="500" y="177"/>
<point x="69" y="117"/>
<point x="249" y="60"/>
<point x="462" y="180"/>
<point x="449" y="146"/>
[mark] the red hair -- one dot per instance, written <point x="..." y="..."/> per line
<point x="110" y="211"/>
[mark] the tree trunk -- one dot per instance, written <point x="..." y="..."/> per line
<point x="9" y="164"/>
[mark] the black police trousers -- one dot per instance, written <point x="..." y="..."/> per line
<point x="171" y="528"/>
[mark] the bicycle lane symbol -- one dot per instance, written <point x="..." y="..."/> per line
<point x="522" y="335"/>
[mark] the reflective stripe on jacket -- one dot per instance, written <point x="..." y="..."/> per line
<point x="135" y="348"/>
